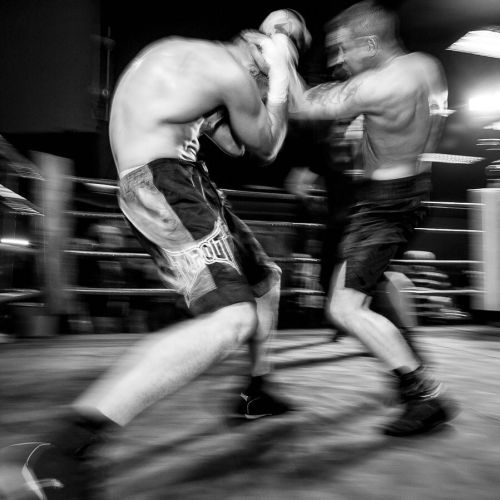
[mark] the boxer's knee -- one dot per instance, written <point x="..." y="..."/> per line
<point x="343" y="305"/>
<point x="239" y="321"/>
<point x="272" y="296"/>
<point x="392" y="300"/>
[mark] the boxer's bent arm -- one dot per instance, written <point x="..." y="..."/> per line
<point x="332" y="100"/>
<point x="438" y="119"/>
<point x="261" y="128"/>
<point x="438" y="103"/>
<point x="223" y="138"/>
<point x="217" y="129"/>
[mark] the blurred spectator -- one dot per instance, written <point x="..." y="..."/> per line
<point x="108" y="313"/>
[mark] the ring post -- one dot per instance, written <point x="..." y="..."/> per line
<point x="485" y="248"/>
<point x="54" y="266"/>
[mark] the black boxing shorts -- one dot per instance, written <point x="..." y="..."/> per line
<point x="380" y="226"/>
<point x="200" y="247"/>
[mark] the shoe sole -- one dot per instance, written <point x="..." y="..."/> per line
<point x="256" y="417"/>
<point x="449" y="412"/>
<point x="21" y="486"/>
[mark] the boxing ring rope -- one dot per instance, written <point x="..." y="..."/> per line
<point x="14" y="295"/>
<point x="27" y="170"/>
<point x="438" y="262"/>
<point x="110" y="185"/>
<point x="279" y="224"/>
<point x="4" y="247"/>
<point x="284" y="292"/>
<point x="118" y="291"/>
<point x="282" y="260"/>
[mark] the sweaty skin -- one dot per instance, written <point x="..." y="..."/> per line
<point x="402" y="102"/>
<point x="162" y="98"/>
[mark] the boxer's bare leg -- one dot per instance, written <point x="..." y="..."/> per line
<point x="400" y="303"/>
<point x="256" y="400"/>
<point x="165" y="361"/>
<point x="424" y="405"/>
<point x="267" y="316"/>
<point x="392" y="300"/>
<point x="349" y="309"/>
<point x="156" y="367"/>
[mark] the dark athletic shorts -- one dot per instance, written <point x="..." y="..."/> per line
<point x="380" y="226"/>
<point x="200" y="247"/>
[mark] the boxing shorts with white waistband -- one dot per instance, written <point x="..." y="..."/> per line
<point x="200" y="247"/>
<point x="380" y="225"/>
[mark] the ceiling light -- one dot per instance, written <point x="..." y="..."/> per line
<point x="15" y="241"/>
<point x="485" y="103"/>
<point x="485" y="42"/>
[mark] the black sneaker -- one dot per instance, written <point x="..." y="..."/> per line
<point x="260" y="404"/>
<point x="40" y="471"/>
<point x="422" y="415"/>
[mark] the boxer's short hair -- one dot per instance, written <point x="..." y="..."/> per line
<point x="367" y="18"/>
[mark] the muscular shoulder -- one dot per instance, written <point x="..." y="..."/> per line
<point x="188" y="57"/>
<point x="374" y="89"/>
<point x="427" y="75"/>
<point x="213" y="63"/>
<point x="401" y="79"/>
<point x="423" y="60"/>
<point x="211" y="66"/>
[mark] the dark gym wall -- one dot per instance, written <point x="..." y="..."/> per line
<point x="49" y="55"/>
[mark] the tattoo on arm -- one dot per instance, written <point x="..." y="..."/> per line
<point x="332" y="93"/>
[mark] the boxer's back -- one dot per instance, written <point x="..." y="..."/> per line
<point x="401" y="129"/>
<point x="161" y="97"/>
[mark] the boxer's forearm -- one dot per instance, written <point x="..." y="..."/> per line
<point x="438" y="122"/>
<point x="278" y="53"/>
<point x="327" y="101"/>
<point x="278" y="128"/>
<point x="223" y="138"/>
<point x="297" y="89"/>
<point x="216" y="128"/>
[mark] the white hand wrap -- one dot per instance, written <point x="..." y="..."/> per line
<point x="278" y="87"/>
<point x="277" y="52"/>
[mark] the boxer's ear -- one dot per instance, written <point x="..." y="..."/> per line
<point x="372" y="45"/>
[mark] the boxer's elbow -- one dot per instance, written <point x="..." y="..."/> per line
<point x="232" y="149"/>
<point x="264" y="156"/>
<point x="268" y="155"/>
<point x="266" y="159"/>
<point x="275" y="144"/>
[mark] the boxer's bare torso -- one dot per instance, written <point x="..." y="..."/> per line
<point x="402" y="103"/>
<point x="162" y="97"/>
<point x="401" y="121"/>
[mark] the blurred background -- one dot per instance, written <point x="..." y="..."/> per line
<point x="78" y="269"/>
<point x="60" y="61"/>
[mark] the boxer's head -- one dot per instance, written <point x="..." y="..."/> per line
<point x="249" y="54"/>
<point x="290" y="23"/>
<point x="358" y="36"/>
<point x="285" y="21"/>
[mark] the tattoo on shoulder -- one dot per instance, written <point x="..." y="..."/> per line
<point x="332" y="92"/>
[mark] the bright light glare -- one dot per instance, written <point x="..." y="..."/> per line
<point x="485" y="103"/>
<point x="444" y="158"/>
<point x="484" y="42"/>
<point x="493" y="126"/>
<point x="15" y="241"/>
<point x="103" y="187"/>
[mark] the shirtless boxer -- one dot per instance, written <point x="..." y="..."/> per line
<point x="402" y="97"/>
<point x="171" y="92"/>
